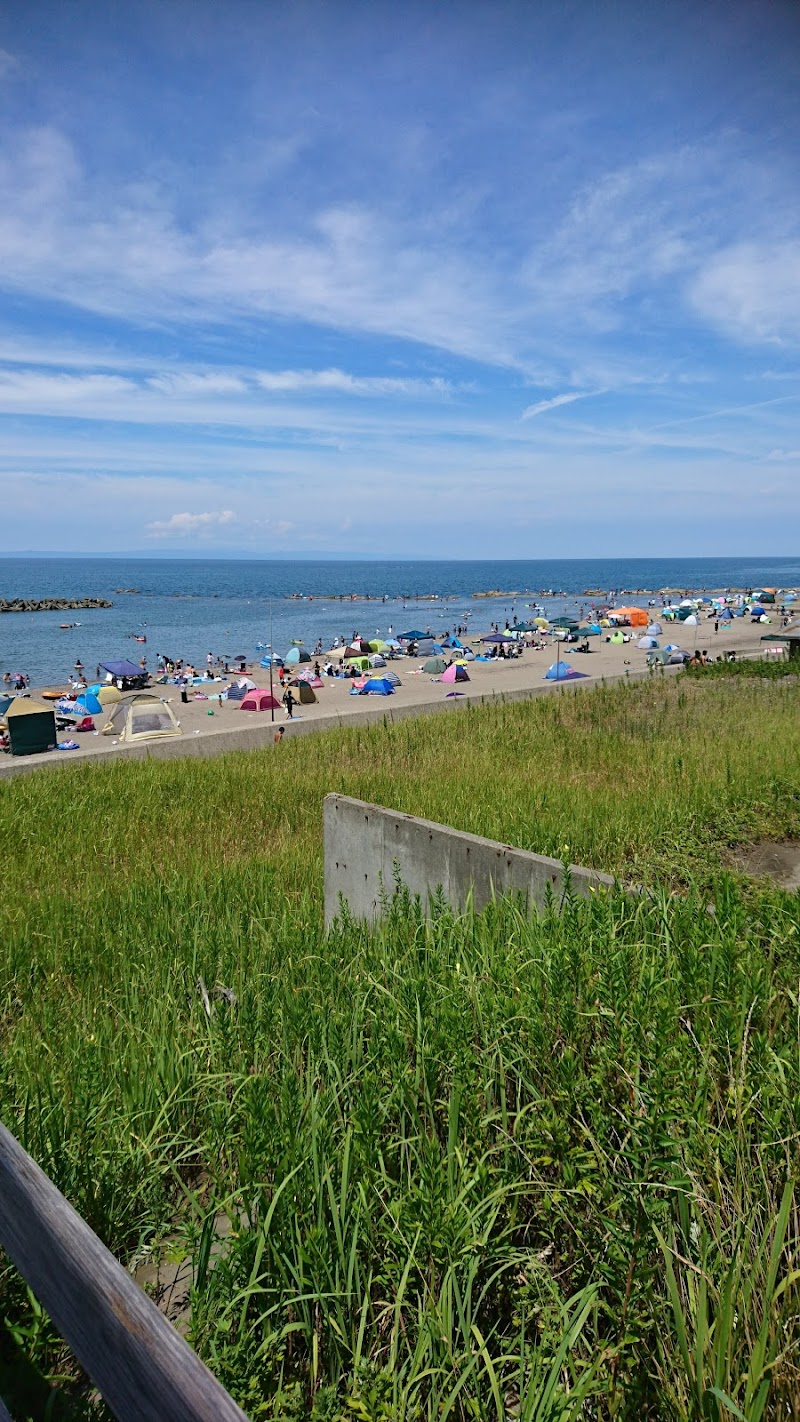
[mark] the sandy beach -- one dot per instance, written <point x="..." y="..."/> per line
<point x="211" y="725"/>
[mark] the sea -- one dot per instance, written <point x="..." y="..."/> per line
<point x="189" y="607"/>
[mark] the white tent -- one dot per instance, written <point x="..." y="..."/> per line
<point x="141" y="716"/>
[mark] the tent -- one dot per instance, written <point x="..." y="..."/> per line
<point x="378" y="646"/>
<point x="359" y="648"/>
<point x="297" y="655"/>
<point x="414" y="636"/>
<point x="562" y="671"/>
<point x="105" y="692"/>
<point x="126" y="674"/>
<point x="31" y="726"/>
<point x="141" y="716"/>
<point x="305" y="693"/>
<point x="691" y="620"/>
<point x="427" y="648"/>
<point x="726" y="615"/>
<point x="310" y="678"/>
<point x="455" y="673"/>
<point x="376" y="660"/>
<point x="87" y="704"/>
<point x="647" y="644"/>
<point x="361" y="662"/>
<point x="636" y="616"/>
<point x="392" y="678"/>
<point x="273" y="660"/>
<point x="377" y="686"/>
<point x="617" y="638"/>
<point x="655" y="629"/>
<point x="261" y="699"/>
<point x="434" y="666"/>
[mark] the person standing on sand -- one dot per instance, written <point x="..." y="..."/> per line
<point x="288" y="701"/>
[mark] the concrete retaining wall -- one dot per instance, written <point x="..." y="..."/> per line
<point x="258" y="736"/>
<point x="366" y="846"/>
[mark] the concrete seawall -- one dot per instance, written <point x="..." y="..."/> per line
<point x="258" y="735"/>
<point x="367" y="847"/>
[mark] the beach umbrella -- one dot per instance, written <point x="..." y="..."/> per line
<point x="393" y="643"/>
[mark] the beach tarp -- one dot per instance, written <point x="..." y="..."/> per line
<point x="434" y="666"/>
<point x="121" y="668"/>
<point x="562" y="671"/>
<point x="261" y="699"/>
<point x="31" y="726"/>
<point x="141" y="716"/>
<point x="455" y="673"/>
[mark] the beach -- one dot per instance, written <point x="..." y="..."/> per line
<point x="210" y="725"/>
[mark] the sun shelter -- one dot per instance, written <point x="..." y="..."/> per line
<point x="455" y="673"/>
<point x="261" y="699"/>
<point x="562" y="671"/>
<point x="31" y="726"/>
<point x="434" y="666"/>
<point x="297" y="655"/>
<point x="361" y="662"/>
<point x="427" y="648"/>
<point x="90" y="705"/>
<point x="790" y="636"/>
<point x="305" y="693"/>
<point x="378" y="645"/>
<point x="141" y="716"/>
<point x="126" y="674"/>
<point x="617" y="638"/>
<point x="377" y="686"/>
<point x="105" y="692"/>
<point x="636" y="616"/>
<point x="413" y="636"/>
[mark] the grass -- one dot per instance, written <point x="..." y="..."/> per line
<point x="476" y="1167"/>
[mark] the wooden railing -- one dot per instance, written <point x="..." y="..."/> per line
<point x="141" y="1366"/>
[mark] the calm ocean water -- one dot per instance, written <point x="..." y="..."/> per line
<point x="187" y="608"/>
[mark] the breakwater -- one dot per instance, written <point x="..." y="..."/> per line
<point x="51" y="604"/>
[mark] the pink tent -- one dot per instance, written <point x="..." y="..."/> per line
<point x="259" y="700"/>
<point x="455" y="673"/>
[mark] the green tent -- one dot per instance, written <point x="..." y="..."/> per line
<point x="31" y="726"/>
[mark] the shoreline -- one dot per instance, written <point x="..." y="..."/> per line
<point x="229" y="728"/>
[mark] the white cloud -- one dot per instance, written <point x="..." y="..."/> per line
<point x="186" y="524"/>
<point x="752" y="291"/>
<point x="566" y="399"/>
<point x="340" y="382"/>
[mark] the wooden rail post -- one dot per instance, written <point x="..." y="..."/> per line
<point x="140" y="1364"/>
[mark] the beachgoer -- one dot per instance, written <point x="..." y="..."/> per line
<point x="279" y="735"/>
<point x="288" y="701"/>
<point x="7" y="678"/>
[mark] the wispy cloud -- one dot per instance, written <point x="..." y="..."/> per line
<point x="184" y="525"/>
<point x="568" y="398"/>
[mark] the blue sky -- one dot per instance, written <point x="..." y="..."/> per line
<point x="460" y="279"/>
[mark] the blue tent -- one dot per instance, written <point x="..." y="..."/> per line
<point x="414" y="636"/>
<point x="378" y="686"/>
<point x="88" y="704"/>
<point x="562" y="671"/>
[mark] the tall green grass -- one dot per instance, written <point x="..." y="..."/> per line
<point x="475" y="1167"/>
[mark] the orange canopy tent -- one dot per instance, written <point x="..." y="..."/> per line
<point x="635" y="615"/>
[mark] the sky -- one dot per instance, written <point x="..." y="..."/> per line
<point x="406" y="279"/>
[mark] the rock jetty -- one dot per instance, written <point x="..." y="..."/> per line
<point x="51" y="604"/>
